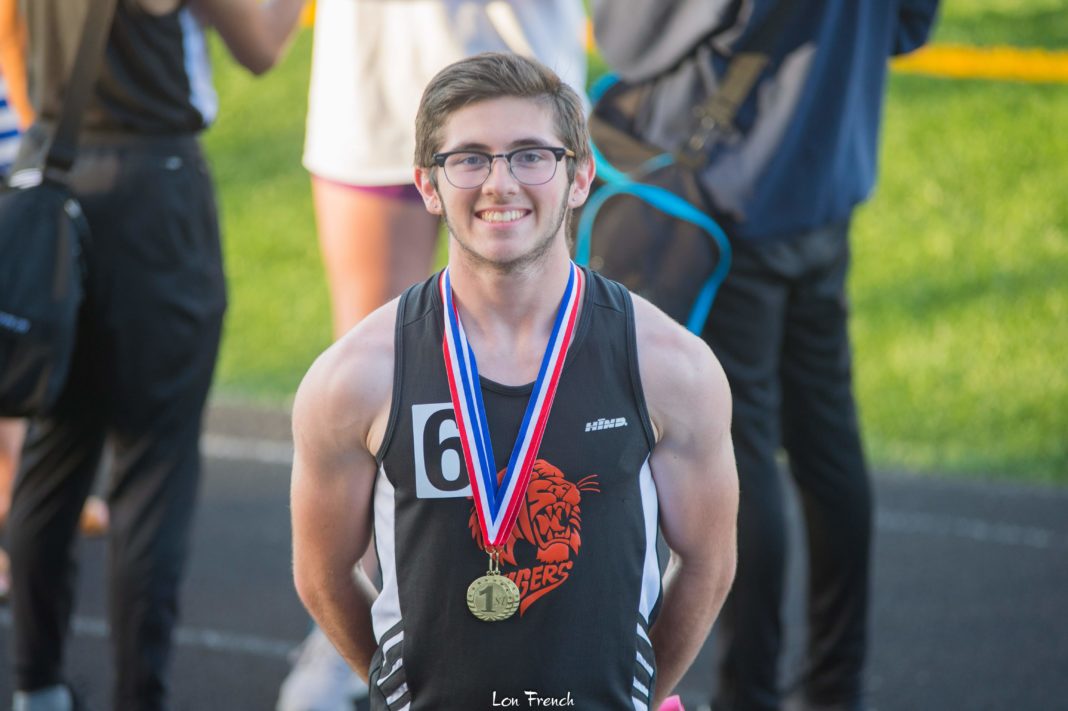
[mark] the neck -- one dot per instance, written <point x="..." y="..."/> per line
<point x="508" y="317"/>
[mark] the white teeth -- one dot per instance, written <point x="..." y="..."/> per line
<point x="498" y="216"/>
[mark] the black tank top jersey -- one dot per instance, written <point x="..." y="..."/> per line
<point x="155" y="78"/>
<point x="583" y="551"/>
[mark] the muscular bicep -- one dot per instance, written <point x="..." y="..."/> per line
<point x="337" y="405"/>
<point x="697" y="488"/>
<point x="693" y="461"/>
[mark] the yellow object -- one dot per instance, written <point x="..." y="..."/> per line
<point x="307" y="15"/>
<point x="1004" y="63"/>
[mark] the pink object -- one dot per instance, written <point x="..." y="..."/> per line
<point x="672" y="703"/>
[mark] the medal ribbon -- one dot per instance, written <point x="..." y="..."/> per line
<point x="497" y="503"/>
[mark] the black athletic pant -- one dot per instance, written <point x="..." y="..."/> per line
<point x="779" y="327"/>
<point x="147" y="342"/>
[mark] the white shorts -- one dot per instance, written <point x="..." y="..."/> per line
<point x="372" y="59"/>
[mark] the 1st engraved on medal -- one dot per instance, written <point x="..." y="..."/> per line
<point x="493" y="598"/>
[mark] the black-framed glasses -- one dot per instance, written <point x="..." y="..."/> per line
<point x="533" y="165"/>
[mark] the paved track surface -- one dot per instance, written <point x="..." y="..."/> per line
<point x="970" y="609"/>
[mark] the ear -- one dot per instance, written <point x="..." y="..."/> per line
<point x="425" y="184"/>
<point x="580" y="186"/>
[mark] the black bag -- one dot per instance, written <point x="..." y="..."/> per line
<point x="644" y="224"/>
<point x="42" y="231"/>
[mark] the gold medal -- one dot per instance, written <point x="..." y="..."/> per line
<point x="493" y="597"/>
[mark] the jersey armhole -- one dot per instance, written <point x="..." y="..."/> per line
<point x="632" y="365"/>
<point x="398" y="379"/>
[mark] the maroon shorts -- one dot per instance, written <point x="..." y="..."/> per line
<point x="407" y="191"/>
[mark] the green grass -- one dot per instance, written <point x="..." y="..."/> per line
<point x="959" y="281"/>
<point x="960" y="260"/>
<point x="1019" y="23"/>
<point x="279" y="317"/>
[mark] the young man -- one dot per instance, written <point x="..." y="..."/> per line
<point x="528" y="579"/>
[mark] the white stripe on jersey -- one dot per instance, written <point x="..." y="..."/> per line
<point x="385" y="612"/>
<point x="651" y="571"/>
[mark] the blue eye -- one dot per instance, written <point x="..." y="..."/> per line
<point x="530" y="157"/>
<point x="467" y="161"/>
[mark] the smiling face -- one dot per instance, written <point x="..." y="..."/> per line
<point x="504" y="224"/>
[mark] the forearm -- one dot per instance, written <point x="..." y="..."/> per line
<point x="692" y="600"/>
<point x="257" y="35"/>
<point x="341" y="606"/>
<point x="280" y="20"/>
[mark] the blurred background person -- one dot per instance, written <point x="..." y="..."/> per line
<point x="783" y="182"/>
<point x="148" y="333"/>
<point x="15" y="115"/>
<point x="370" y="64"/>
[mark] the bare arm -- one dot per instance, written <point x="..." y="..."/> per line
<point x="696" y="483"/>
<point x="256" y="33"/>
<point x="13" y="60"/>
<point x="338" y="419"/>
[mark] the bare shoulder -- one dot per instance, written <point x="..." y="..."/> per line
<point x="682" y="380"/>
<point x="343" y="401"/>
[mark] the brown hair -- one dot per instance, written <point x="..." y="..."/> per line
<point x="492" y="75"/>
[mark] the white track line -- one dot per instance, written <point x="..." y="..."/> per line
<point x="247" y="449"/>
<point x="212" y="640"/>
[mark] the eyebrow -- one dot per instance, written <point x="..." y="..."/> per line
<point x="482" y="147"/>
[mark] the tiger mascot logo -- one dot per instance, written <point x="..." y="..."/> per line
<point x="550" y="519"/>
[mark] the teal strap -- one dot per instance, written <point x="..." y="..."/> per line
<point x="619" y="183"/>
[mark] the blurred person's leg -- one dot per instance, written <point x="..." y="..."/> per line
<point x="94" y="518"/>
<point x="155" y="236"/>
<point x="745" y="332"/>
<point x="375" y="243"/>
<point x="60" y="459"/>
<point x="822" y="438"/>
<point x="12" y="434"/>
<point x="59" y="462"/>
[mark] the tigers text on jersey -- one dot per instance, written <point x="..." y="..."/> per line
<point x="583" y="551"/>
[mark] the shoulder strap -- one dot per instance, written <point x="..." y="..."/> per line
<point x="79" y="87"/>
<point x="716" y="114"/>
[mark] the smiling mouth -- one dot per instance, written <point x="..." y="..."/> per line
<point x="501" y="215"/>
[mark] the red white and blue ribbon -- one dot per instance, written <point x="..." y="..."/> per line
<point x="498" y="503"/>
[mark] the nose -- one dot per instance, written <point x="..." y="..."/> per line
<point x="500" y="179"/>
